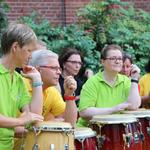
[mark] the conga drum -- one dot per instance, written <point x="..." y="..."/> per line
<point x="50" y="136"/>
<point x="117" y="132"/>
<point x="85" y="139"/>
<point x="144" y="119"/>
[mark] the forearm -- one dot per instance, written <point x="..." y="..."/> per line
<point x="36" y="105"/>
<point x="8" y="122"/>
<point x="70" y="114"/>
<point x="134" y="98"/>
<point x="92" y="111"/>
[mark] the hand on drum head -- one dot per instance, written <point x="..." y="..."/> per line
<point x="20" y="132"/>
<point x="28" y="117"/>
<point x="122" y="106"/>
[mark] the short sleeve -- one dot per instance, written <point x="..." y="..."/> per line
<point x="88" y="95"/>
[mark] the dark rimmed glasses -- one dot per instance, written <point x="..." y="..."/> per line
<point x="75" y="62"/>
<point x="115" y="58"/>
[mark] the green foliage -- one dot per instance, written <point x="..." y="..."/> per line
<point x="3" y="18"/>
<point x="116" y="22"/>
<point x="57" y="38"/>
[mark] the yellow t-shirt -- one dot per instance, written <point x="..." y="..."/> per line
<point x="145" y="88"/>
<point x="52" y="100"/>
<point x="52" y="103"/>
<point x="145" y="85"/>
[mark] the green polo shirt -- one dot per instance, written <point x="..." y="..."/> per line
<point x="97" y="93"/>
<point x="13" y="96"/>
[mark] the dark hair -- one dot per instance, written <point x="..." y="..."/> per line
<point x="127" y="56"/>
<point x="147" y="66"/>
<point x="66" y="53"/>
<point x="107" y="48"/>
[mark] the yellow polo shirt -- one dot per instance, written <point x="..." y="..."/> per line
<point x="52" y="100"/>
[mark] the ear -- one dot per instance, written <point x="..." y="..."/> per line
<point x="14" y="47"/>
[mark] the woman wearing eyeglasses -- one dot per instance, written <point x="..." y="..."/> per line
<point x="108" y="91"/>
<point x="71" y="62"/>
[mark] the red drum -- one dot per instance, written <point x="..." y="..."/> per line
<point x="85" y="139"/>
<point x="144" y="119"/>
<point x="117" y="132"/>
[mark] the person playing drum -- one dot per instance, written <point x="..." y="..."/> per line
<point x="17" y="43"/>
<point x="108" y="91"/>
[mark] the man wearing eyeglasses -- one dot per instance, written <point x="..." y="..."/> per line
<point x="108" y="91"/>
<point x="54" y="107"/>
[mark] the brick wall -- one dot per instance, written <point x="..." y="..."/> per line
<point x="53" y="10"/>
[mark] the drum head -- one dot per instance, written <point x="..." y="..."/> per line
<point x="113" y="119"/>
<point x="53" y="126"/>
<point x="84" y="132"/>
<point x="140" y="113"/>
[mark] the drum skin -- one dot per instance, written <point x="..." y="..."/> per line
<point x="87" y="136"/>
<point x="57" y="139"/>
<point x="143" y="116"/>
<point x="117" y="132"/>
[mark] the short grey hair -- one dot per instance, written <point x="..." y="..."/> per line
<point x="39" y="57"/>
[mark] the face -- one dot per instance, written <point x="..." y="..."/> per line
<point x="113" y="62"/>
<point x="23" y="54"/>
<point x="73" y="65"/>
<point x="50" y="72"/>
<point x="126" y="69"/>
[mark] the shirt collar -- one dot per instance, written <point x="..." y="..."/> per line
<point x="101" y="78"/>
<point x="3" y="69"/>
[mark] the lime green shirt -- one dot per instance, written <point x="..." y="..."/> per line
<point x="13" y="96"/>
<point x="97" y="93"/>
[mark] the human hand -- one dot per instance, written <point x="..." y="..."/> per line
<point x="28" y="117"/>
<point x="20" y="132"/>
<point x="31" y="73"/>
<point x="135" y="72"/>
<point x="121" y="106"/>
<point x="88" y="73"/>
<point x="70" y="85"/>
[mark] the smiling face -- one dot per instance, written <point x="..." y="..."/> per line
<point x="73" y="65"/>
<point x="113" y="61"/>
<point x="126" y="69"/>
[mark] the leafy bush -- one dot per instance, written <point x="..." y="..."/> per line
<point x="57" y="38"/>
<point x="3" y="18"/>
<point x="120" y="23"/>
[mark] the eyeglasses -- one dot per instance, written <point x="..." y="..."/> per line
<point x="114" y="58"/>
<point x="55" y="68"/>
<point x="75" y="62"/>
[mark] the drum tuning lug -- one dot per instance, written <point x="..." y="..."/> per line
<point x="35" y="147"/>
<point x="141" y="136"/>
<point x="127" y="138"/>
<point x="148" y="130"/>
<point x="100" y="140"/>
<point x="66" y="147"/>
